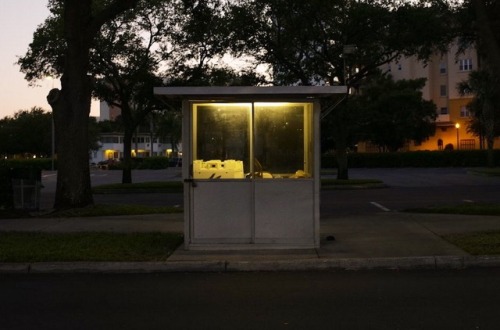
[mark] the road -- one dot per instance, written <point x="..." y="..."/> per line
<point x="323" y="300"/>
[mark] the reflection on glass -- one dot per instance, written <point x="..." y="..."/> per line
<point x="221" y="141"/>
<point x="224" y="147"/>
<point x="282" y="140"/>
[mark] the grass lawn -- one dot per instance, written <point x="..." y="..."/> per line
<point x="488" y="171"/>
<point x="326" y="183"/>
<point x="141" y="187"/>
<point x="97" y="210"/>
<point x="86" y="246"/>
<point x="100" y="210"/>
<point x="480" y="243"/>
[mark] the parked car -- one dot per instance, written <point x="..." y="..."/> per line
<point x="106" y="164"/>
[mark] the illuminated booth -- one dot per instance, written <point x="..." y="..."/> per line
<point x="251" y="165"/>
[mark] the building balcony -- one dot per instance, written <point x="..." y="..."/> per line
<point x="443" y="118"/>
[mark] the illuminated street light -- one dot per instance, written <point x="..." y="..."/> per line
<point x="457" y="126"/>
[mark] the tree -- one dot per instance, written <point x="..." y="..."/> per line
<point x="337" y="42"/>
<point x="27" y="132"/>
<point x="128" y="64"/>
<point x="395" y="112"/>
<point x="199" y="44"/>
<point x="485" y="106"/>
<point x="480" y="25"/>
<point x="167" y="126"/>
<point x="79" y="24"/>
<point x="184" y="38"/>
<point x="487" y="27"/>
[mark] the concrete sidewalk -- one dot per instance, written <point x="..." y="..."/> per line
<point x="387" y="240"/>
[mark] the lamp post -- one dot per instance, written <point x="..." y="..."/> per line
<point x="346" y="51"/>
<point x="53" y="142"/>
<point x="457" y="126"/>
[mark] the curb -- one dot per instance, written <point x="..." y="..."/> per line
<point x="220" y="266"/>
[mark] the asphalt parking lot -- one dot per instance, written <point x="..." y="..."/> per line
<point x="406" y="188"/>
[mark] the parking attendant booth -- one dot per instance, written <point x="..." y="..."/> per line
<point x="251" y="165"/>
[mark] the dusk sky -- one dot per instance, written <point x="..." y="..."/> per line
<point x="18" y="21"/>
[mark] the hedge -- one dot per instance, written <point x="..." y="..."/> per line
<point x="457" y="158"/>
<point x="40" y="163"/>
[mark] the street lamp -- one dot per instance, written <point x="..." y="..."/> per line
<point x="457" y="126"/>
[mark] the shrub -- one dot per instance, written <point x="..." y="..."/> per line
<point x="154" y="163"/>
<point x="457" y="158"/>
<point x="40" y="163"/>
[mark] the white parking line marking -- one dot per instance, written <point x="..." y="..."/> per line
<point x="380" y="206"/>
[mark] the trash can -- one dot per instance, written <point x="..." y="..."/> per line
<point x="26" y="185"/>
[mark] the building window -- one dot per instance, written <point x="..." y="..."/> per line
<point x="443" y="111"/>
<point x="442" y="90"/>
<point x="464" y="112"/>
<point x="467" y="144"/>
<point x="109" y="139"/>
<point x="400" y="67"/>
<point x="440" y="144"/>
<point x="442" y="68"/>
<point x="465" y="64"/>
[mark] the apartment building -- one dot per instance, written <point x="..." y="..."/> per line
<point x="443" y="73"/>
<point x="111" y="144"/>
<point x="143" y="145"/>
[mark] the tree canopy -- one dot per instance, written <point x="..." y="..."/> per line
<point x="395" y="112"/>
<point x="26" y="132"/>
<point x="118" y="50"/>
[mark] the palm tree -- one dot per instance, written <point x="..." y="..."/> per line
<point x="485" y="103"/>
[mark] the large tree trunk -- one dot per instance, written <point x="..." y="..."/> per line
<point x="488" y="42"/>
<point x="489" y="123"/>
<point x="490" y="50"/>
<point x="71" y="108"/>
<point x="341" y="144"/>
<point x="127" y="156"/>
<point x="71" y="105"/>
<point x="342" y="164"/>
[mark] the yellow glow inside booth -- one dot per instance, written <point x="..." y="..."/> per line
<point x="252" y="140"/>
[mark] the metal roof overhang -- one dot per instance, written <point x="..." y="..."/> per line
<point x="249" y="92"/>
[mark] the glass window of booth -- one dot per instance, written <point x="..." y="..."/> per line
<point x="283" y="140"/>
<point x="221" y="140"/>
<point x="261" y="140"/>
